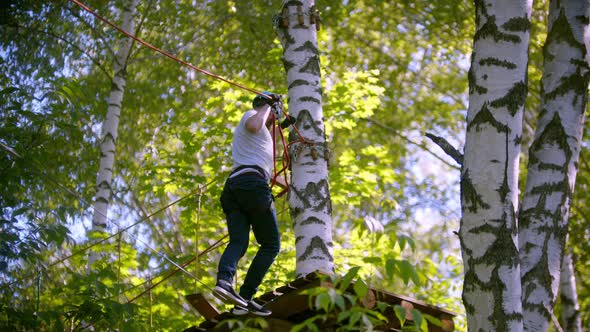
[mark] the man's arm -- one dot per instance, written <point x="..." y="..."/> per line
<point x="258" y="120"/>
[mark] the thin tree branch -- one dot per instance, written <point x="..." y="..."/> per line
<point x="420" y="145"/>
<point x="94" y="31"/>
<point x="447" y="147"/>
<point x="79" y="49"/>
<point x="138" y="30"/>
<point x="144" y="212"/>
<point x="556" y="323"/>
<point x="177" y="234"/>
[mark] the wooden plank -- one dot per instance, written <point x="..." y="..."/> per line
<point x="269" y="296"/>
<point x="202" y="306"/>
<point x="291" y="304"/>
<point x="391" y="298"/>
<point x="276" y="325"/>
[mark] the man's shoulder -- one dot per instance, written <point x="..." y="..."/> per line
<point x="248" y="114"/>
<point x="242" y="124"/>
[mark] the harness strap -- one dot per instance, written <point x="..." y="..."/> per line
<point x="248" y="168"/>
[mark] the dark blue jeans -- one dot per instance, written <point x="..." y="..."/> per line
<point x="247" y="202"/>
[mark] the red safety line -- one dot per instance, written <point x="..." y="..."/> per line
<point x="185" y="264"/>
<point x="188" y="64"/>
<point x="286" y="160"/>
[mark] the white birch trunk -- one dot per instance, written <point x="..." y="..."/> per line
<point x="110" y="126"/>
<point x="553" y="158"/>
<point x="309" y="197"/>
<point x="489" y="176"/>
<point x="570" y="307"/>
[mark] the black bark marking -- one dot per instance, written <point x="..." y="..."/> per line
<point x="308" y="46"/>
<point x="115" y="87"/>
<point x="517" y="24"/>
<point x="316" y="243"/>
<point x="503" y="252"/>
<point x="490" y="30"/>
<point x="108" y="137"/>
<point x="473" y="86"/>
<point x="296" y="83"/>
<point x="312" y="66"/>
<point x="497" y="62"/>
<point x="575" y="83"/>
<point x="513" y="100"/>
<point x="293" y="3"/>
<point x="306" y="122"/>
<point x="504" y="189"/>
<point x="561" y="31"/>
<point x="312" y="220"/>
<point x="485" y="117"/>
<point x="102" y="200"/>
<point x="309" y="99"/>
<point x="288" y="65"/>
<point x="316" y="193"/>
<point x="554" y="133"/>
<point x="471" y="199"/>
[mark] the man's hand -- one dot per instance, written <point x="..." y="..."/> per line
<point x="288" y="121"/>
<point x="274" y="98"/>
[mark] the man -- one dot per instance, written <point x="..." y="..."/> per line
<point x="247" y="202"/>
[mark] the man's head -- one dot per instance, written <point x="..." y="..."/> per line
<point x="264" y="98"/>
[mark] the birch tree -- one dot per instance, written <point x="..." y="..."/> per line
<point x="489" y="176"/>
<point x="109" y="133"/>
<point x="553" y="161"/>
<point x="309" y="196"/>
<point x="570" y="307"/>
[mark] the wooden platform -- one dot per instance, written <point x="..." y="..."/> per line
<point x="289" y="307"/>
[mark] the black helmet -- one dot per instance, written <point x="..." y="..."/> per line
<point x="262" y="99"/>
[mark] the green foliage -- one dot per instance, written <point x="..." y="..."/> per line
<point x="339" y="305"/>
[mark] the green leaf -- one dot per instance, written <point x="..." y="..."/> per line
<point x="408" y="272"/>
<point x="420" y="323"/>
<point x="400" y="313"/>
<point x="433" y="320"/>
<point x="354" y="318"/>
<point x="390" y="268"/>
<point x="322" y="301"/>
<point x="361" y="289"/>
<point x="9" y="90"/>
<point x="343" y="315"/>
<point x="347" y="279"/>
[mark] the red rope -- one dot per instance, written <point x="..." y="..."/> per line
<point x="286" y="160"/>
<point x="185" y="264"/>
<point x="185" y="63"/>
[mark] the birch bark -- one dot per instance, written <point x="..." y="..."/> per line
<point x="570" y="307"/>
<point x="110" y="126"/>
<point x="553" y="158"/>
<point x="309" y="196"/>
<point x="489" y="176"/>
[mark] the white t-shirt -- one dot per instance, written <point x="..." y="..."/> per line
<point x="252" y="149"/>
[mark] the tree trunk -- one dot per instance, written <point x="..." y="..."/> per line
<point x="570" y="307"/>
<point x="553" y="158"/>
<point x="110" y="126"/>
<point x="309" y="196"/>
<point x="489" y="176"/>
